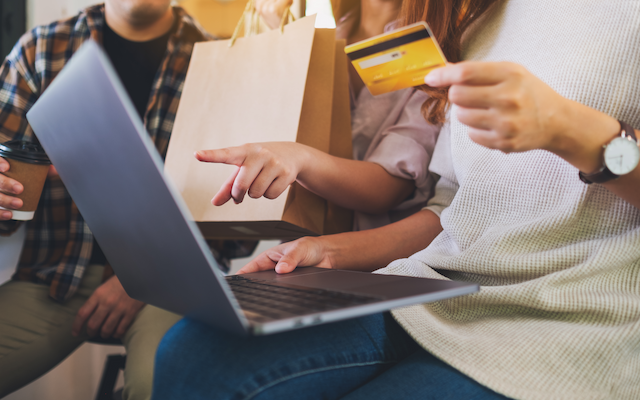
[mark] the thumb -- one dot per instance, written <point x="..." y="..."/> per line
<point x="286" y="264"/>
<point x="294" y="256"/>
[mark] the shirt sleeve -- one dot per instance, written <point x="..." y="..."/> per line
<point x="405" y="149"/>
<point x="18" y="90"/>
<point x="442" y="167"/>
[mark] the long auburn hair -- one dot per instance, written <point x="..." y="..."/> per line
<point x="448" y="20"/>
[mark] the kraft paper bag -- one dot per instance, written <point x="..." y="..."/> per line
<point x="275" y="86"/>
<point x="338" y="219"/>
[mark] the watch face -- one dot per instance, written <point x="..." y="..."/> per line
<point x="622" y="155"/>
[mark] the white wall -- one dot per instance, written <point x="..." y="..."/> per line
<point x="10" y="253"/>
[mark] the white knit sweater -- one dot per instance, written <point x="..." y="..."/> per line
<point x="558" y="316"/>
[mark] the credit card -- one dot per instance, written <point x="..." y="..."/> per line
<point x="396" y="60"/>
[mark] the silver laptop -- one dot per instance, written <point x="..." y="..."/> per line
<point x="94" y="137"/>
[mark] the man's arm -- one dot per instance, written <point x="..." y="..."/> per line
<point x="17" y="93"/>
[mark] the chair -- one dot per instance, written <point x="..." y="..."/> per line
<point x="112" y="367"/>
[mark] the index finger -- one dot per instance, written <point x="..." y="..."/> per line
<point x="264" y="262"/>
<point x="4" y="165"/>
<point x="83" y="314"/>
<point x="230" y="155"/>
<point x="7" y="184"/>
<point x="472" y="73"/>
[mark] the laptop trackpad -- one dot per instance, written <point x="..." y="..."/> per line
<point x="330" y="279"/>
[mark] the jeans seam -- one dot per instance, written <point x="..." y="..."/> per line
<point x="311" y="371"/>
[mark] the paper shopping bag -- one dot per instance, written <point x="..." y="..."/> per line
<point x="276" y="86"/>
<point x="339" y="219"/>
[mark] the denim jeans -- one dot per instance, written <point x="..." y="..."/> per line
<point x="366" y="358"/>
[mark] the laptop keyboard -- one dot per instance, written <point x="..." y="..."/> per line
<point x="275" y="300"/>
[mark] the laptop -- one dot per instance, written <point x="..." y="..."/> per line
<point x="90" y="129"/>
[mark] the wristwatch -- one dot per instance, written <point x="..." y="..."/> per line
<point x="621" y="156"/>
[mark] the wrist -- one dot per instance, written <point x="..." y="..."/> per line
<point x="337" y="249"/>
<point x="581" y="135"/>
<point x="307" y="163"/>
<point x="620" y="157"/>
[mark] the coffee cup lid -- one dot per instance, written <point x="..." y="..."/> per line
<point x="25" y="151"/>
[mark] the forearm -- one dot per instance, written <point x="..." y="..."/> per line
<point x="357" y="185"/>
<point x="507" y="108"/>
<point x="375" y="248"/>
<point x="586" y="132"/>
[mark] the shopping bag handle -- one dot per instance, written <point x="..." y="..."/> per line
<point x="251" y="14"/>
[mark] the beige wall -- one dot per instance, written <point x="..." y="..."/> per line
<point x="41" y="12"/>
<point x="220" y="17"/>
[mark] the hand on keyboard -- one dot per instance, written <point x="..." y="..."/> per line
<point x="304" y="252"/>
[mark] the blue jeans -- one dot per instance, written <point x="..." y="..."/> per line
<point x="365" y="358"/>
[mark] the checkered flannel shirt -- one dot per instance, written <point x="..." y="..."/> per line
<point x="58" y="244"/>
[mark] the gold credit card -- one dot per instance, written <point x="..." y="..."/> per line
<point x="396" y="60"/>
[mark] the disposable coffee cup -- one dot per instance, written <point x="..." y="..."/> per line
<point x="29" y="165"/>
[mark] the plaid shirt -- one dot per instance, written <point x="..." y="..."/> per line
<point x="58" y="245"/>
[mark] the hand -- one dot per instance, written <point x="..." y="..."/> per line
<point x="109" y="311"/>
<point x="509" y="109"/>
<point x="272" y="11"/>
<point x="8" y="187"/>
<point x="505" y="106"/>
<point x="266" y="169"/>
<point x="304" y="252"/>
<point x="53" y="172"/>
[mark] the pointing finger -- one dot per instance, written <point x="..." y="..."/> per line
<point x="230" y="155"/>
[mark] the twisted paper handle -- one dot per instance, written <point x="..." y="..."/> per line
<point x="251" y="14"/>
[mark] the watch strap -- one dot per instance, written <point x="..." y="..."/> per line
<point x="604" y="174"/>
<point x="629" y="131"/>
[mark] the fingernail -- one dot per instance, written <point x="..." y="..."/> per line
<point x="432" y="78"/>
<point x="4" y="167"/>
<point x="17" y="188"/>
<point x="16" y="203"/>
<point x="6" y="215"/>
<point x="280" y="267"/>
